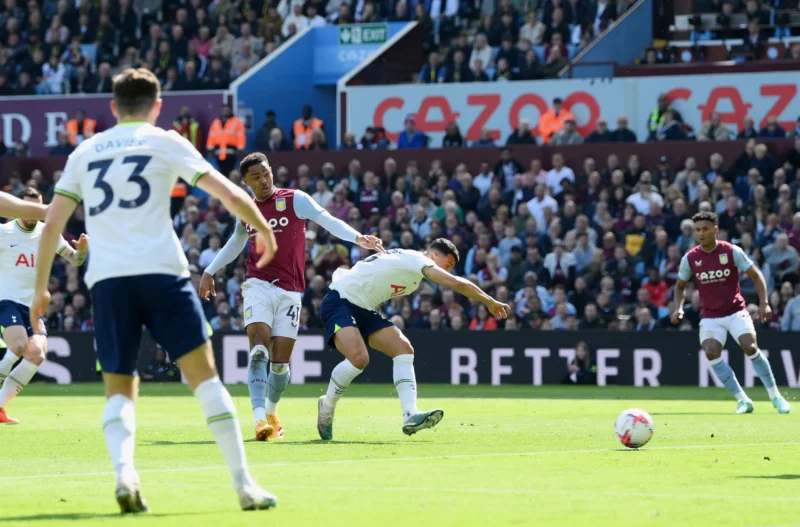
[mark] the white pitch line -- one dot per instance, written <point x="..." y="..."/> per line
<point x="395" y="459"/>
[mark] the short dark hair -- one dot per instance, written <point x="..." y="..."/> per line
<point x="135" y="91"/>
<point x="30" y="192"/>
<point x="445" y="248"/>
<point x="251" y="160"/>
<point x="705" y="216"/>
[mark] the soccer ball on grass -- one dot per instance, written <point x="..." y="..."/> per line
<point x="634" y="428"/>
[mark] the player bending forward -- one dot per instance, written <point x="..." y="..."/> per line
<point x="273" y="294"/>
<point x="716" y="265"/>
<point x="351" y="322"/>
<point x="138" y="273"/>
<point x="18" y="261"/>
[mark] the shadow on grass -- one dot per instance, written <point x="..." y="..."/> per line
<point x="787" y="477"/>
<point x="84" y="516"/>
<point x="333" y="442"/>
<point x="688" y="413"/>
<point x="176" y="443"/>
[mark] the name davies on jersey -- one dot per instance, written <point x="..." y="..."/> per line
<point x="118" y="143"/>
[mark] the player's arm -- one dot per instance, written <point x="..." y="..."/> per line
<point x="308" y="209"/>
<point x="58" y="213"/>
<point x="229" y="252"/>
<point x="466" y="288"/>
<point x="242" y="206"/>
<point x="13" y="207"/>
<point x="684" y="275"/>
<point x="76" y="256"/>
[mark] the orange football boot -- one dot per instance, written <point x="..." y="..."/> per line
<point x="277" y="429"/>
<point x="5" y="419"/>
<point x="264" y="431"/>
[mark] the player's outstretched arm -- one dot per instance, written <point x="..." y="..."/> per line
<point x="679" y="299"/>
<point x="306" y="208"/>
<point x="229" y="252"/>
<point x="468" y="289"/>
<point x="13" y="207"/>
<point x="241" y="205"/>
<point x="57" y="215"/>
<point x="764" y="310"/>
<point x="76" y="256"/>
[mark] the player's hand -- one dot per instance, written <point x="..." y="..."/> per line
<point x="81" y="244"/>
<point x="372" y="243"/>
<point x="677" y="316"/>
<point x="765" y="313"/>
<point x="266" y="246"/>
<point x="207" y="287"/>
<point x="498" y="309"/>
<point x="41" y="299"/>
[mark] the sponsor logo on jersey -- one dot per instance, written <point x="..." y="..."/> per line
<point x="23" y="260"/>
<point x="398" y="290"/>
<point x="723" y="259"/>
<point x="248" y="313"/>
<point x="698" y="263"/>
<point x="280" y="204"/>
<point x="718" y="275"/>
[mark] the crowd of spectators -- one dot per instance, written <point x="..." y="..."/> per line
<point x="588" y="243"/>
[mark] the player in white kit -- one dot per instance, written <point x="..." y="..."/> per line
<point x="19" y="241"/>
<point x="139" y="276"/>
<point x="349" y="314"/>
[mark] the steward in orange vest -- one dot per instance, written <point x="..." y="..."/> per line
<point x="303" y="128"/>
<point x="80" y="128"/>
<point x="225" y="139"/>
<point x="553" y="120"/>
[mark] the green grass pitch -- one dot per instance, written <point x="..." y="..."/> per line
<point x="504" y="456"/>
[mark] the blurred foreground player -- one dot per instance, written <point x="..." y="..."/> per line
<point x="716" y="265"/>
<point x="273" y="294"/>
<point x="18" y="263"/>
<point x="349" y="314"/>
<point x="138" y="274"/>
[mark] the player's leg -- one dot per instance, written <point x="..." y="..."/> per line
<point x="21" y="344"/>
<point x="284" y="335"/>
<point x="117" y="337"/>
<point x="259" y="335"/>
<point x="390" y="341"/>
<point x="743" y="330"/>
<point x="175" y="318"/>
<point x="712" y="337"/>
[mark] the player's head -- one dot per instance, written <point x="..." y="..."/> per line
<point x="706" y="226"/>
<point x="30" y="194"/>
<point x="137" y="96"/>
<point x="443" y="253"/>
<point x="257" y="174"/>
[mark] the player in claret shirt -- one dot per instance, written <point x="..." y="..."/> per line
<point x="273" y="294"/>
<point x="715" y="266"/>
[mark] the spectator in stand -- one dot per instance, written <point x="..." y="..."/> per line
<point x="556" y="61"/>
<point x="601" y="134"/>
<point x="277" y="142"/>
<point x="790" y="319"/>
<point x="459" y="70"/>
<point x="374" y="139"/>
<point x="189" y="81"/>
<point x="452" y="136"/>
<point x="782" y="259"/>
<point x="773" y="130"/>
<point x="714" y="130"/>
<point x="304" y="127"/>
<point x="503" y="72"/>
<point x="670" y="129"/>
<point x="623" y="134"/>
<point x="509" y="52"/>
<point x="755" y="39"/>
<point x="410" y="137"/>
<point x="560" y="266"/>
<point x="64" y="147"/>
<point x="485" y="138"/>
<point x="557" y="26"/>
<point x="522" y="135"/>
<point x="553" y="120"/>
<point x="795" y="132"/>
<point x="534" y="29"/>
<point x="188" y="127"/>
<point x="642" y="199"/>
<point x="569" y="135"/>
<point x="658" y="116"/>
<point x="748" y="130"/>
<point x="296" y="19"/>
<point x="478" y="74"/>
<point x="434" y="71"/>
<point x="482" y="52"/>
<point x="54" y="75"/>
<point x="530" y="68"/>
<point x="558" y="174"/>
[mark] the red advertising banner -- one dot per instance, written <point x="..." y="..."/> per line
<point x="37" y="120"/>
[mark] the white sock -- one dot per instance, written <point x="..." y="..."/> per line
<point x="6" y="363"/>
<point x="405" y="382"/>
<point x="259" y="414"/>
<point x="119" y="429"/>
<point x="16" y="381"/>
<point x="341" y="377"/>
<point x="220" y="415"/>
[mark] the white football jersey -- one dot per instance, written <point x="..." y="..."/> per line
<point x="125" y="176"/>
<point x="373" y="281"/>
<point x="19" y="250"/>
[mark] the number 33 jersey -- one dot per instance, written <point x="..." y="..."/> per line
<point x="373" y="281"/>
<point x="124" y="177"/>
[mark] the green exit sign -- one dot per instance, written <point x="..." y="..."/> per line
<point x="362" y="34"/>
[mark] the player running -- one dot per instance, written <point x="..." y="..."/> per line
<point x="716" y="265"/>
<point x="20" y="241"/>
<point x="349" y="314"/>
<point x="272" y="295"/>
<point x="138" y="273"/>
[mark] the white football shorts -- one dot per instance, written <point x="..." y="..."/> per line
<point x="267" y="303"/>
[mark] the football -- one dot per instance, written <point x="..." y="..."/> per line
<point x="634" y="428"/>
